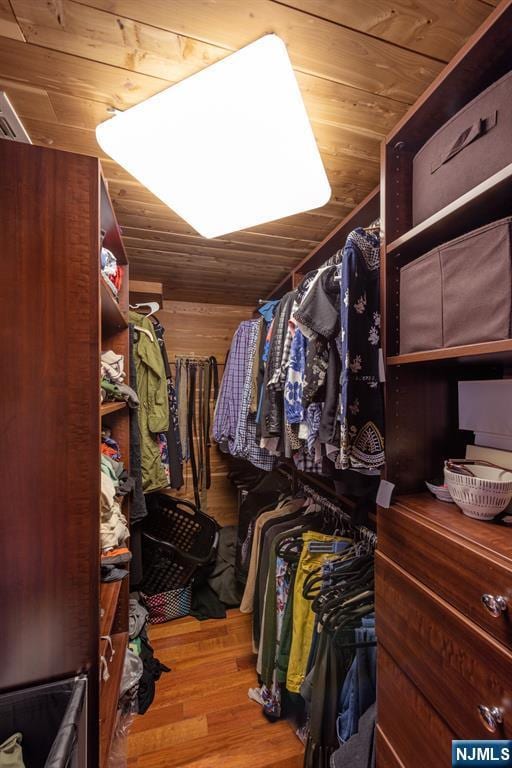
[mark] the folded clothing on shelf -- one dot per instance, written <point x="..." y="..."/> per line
<point x="111" y="271"/>
<point x="111" y="391"/>
<point x="112" y="367"/>
<point x="111" y="573"/>
<point x="116" y="556"/>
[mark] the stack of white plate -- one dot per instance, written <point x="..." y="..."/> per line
<point x="441" y="492"/>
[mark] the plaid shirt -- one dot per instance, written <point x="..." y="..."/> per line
<point x="246" y="445"/>
<point x="234" y="427"/>
<point x="232" y="388"/>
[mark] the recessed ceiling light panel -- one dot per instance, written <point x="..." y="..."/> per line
<point x="228" y="148"/>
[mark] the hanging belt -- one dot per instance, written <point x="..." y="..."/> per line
<point x="212" y="376"/>
<point x="201" y="441"/>
<point x="201" y="378"/>
<point x="192" y="430"/>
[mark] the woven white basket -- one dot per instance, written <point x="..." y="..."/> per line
<point x="484" y="496"/>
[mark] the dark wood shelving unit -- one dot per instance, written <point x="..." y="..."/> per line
<point x="112" y="318"/>
<point x="107" y="408"/>
<point x="109" y="691"/>
<point x="114" y="336"/>
<point x="109" y="596"/>
<point x="50" y="238"/>
<point x="485" y="352"/>
<point x="434" y="563"/>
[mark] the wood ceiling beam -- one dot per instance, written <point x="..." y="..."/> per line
<point x="237" y="239"/>
<point x="114" y="40"/>
<point x="75" y="76"/>
<point x="358" y="67"/>
<point x="9" y="26"/>
<point x="163" y="241"/>
<point x="368" y="64"/>
<point x="161" y="251"/>
<point x="423" y="26"/>
<point x="134" y="192"/>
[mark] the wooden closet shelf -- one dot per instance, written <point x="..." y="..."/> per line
<point x="109" y="698"/>
<point x="112" y="407"/>
<point x="112" y="318"/>
<point x="486" y="202"/>
<point x="109" y="596"/>
<point x="485" y="352"/>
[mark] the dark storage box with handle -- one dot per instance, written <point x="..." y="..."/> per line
<point x="475" y="144"/>
<point x="52" y="721"/>
<point x="460" y="292"/>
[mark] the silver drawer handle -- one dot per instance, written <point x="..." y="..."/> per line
<point x="491" y="717"/>
<point x="495" y="604"/>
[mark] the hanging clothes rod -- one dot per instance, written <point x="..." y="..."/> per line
<point x="192" y="359"/>
<point x="364" y="533"/>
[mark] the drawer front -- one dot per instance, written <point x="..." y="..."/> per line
<point x="452" y="567"/>
<point x="386" y="756"/>
<point x="401" y="707"/>
<point x="455" y="665"/>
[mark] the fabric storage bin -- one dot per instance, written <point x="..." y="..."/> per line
<point x="421" y="325"/>
<point x="52" y="721"/>
<point x="166" y="606"/>
<point x="460" y="292"/>
<point x="469" y="148"/>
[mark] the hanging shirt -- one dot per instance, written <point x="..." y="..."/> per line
<point x="246" y="445"/>
<point x="294" y="387"/>
<point x="154" y="402"/>
<point x="361" y="405"/>
<point x="231" y="390"/>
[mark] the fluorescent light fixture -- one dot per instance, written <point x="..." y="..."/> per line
<point x="228" y="148"/>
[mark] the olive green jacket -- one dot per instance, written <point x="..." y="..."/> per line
<point x="154" y="402"/>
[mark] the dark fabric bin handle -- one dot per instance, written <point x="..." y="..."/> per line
<point x="479" y="128"/>
<point x="185" y="555"/>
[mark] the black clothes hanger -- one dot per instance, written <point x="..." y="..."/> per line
<point x="337" y="618"/>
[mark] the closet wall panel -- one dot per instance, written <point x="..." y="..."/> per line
<point x="49" y="494"/>
<point x="197" y="330"/>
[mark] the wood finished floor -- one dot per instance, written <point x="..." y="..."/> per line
<point x="201" y="716"/>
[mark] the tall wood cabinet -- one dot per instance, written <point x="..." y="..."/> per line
<point x="56" y="316"/>
<point x="444" y="662"/>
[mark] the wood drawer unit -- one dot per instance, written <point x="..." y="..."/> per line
<point x="458" y="558"/>
<point x="387" y="757"/>
<point x="455" y="665"/>
<point x="415" y="731"/>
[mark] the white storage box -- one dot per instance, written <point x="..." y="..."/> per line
<point x="485" y="408"/>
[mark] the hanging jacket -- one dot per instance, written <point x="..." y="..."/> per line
<point x="154" y="402"/>
<point x="272" y="405"/>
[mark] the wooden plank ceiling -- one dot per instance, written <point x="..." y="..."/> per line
<point x="359" y="63"/>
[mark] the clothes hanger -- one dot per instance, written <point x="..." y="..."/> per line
<point x="154" y="306"/>
<point x="335" y="616"/>
<point x="373" y="227"/>
<point x="144" y="330"/>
